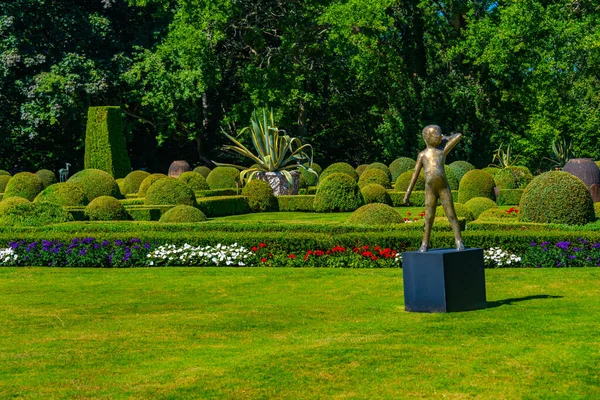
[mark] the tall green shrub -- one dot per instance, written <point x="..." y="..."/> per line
<point x="105" y="146"/>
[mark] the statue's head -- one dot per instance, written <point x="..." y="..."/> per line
<point x="432" y="135"/>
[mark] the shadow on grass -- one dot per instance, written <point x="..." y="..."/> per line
<point x="508" y="302"/>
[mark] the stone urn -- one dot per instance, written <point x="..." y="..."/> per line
<point x="586" y="170"/>
<point x="179" y="167"/>
<point x="279" y="182"/>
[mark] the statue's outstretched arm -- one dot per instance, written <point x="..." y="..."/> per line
<point x="451" y="141"/>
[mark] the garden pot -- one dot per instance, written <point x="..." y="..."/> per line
<point x="586" y="170"/>
<point x="279" y="182"/>
<point x="179" y="167"/>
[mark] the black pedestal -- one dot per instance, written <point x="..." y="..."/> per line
<point x="444" y="280"/>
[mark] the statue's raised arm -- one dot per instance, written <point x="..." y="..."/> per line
<point x="451" y="141"/>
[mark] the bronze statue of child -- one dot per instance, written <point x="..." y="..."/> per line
<point x="432" y="160"/>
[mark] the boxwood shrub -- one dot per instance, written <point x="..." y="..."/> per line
<point x="148" y="182"/>
<point x="404" y="180"/>
<point x="223" y="178"/>
<point x="133" y="180"/>
<point x="7" y="203"/>
<point x="476" y="183"/>
<point x="477" y="205"/>
<point x="194" y="181"/>
<point x="460" y="168"/>
<point x="3" y="182"/>
<point x="340" y="167"/>
<point x="513" y="178"/>
<point x="63" y="194"/>
<point x="296" y="203"/>
<point x="223" y="206"/>
<point x="106" y="208"/>
<point x="375" y="214"/>
<point x="48" y="178"/>
<point x="509" y="197"/>
<point x="381" y="167"/>
<point x="452" y="179"/>
<point x="260" y="196"/>
<point x="167" y="191"/>
<point x="400" y="166"/>
<point x="23" y="184"/>
<point x="338" y="192"/>
<point x="491" y="170"/>
<point x="3" y="172"/>
<point x="183" y="214"/>
<point x="374" y="175"/>
<point x="33" y="214"/>
<point x="361" y="168"/>
<point x="202" y="170"/>
<point x="461" y="212"/>
<point x="375" y="193"/>
<point x="96" y="183"/>
<point x="498" y="214"/>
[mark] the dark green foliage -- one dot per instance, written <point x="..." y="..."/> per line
<point x="400" y="166"/>
<point x="34" y="214"/>
<point x="491" y="170"/>
<point x="452" y="179"/>
<point x="4" y="173"/>
<point x="461" y="212"/>
<point x="417" y="198"/>
<point x="63" y="194"/>
<point x="375" y="214"/>
<point x="217" y="192"/>
<point x="338" y="192"/>
<point x="180" y="214"/>
<point x="382" y="167"/>
<point x="147" y="182"/>
<point x="96" y="183"/>
<point x="133" y="180"/>
<point x="3" y="182"/>
<point x="167" y="191"/>
<point x="556" y="197"/>
<point x="476" y="183"/>
<point x="106" y="208"/>
<point x="404" y="180"/>
<point x="223" y="178"/>
<point x="105" y="147"/>
<point x="509" y="197"/>
<point x="375" y="193"/>
<point x="222" y="206"/>
<point x="308" y="178"/>
<point x="513" y="178"/>
<point x="202" y="170"/>
<point x="361" y="168"/>
<point x="460" y="168"/>
<point x="147" y="213"/>
<point x="477" y="205"/>
<point x="6" y="203"/>
<point x="374" y="175"/>
<point x="24" y="184"/>
<point x="340" y="167"/>
<point x="48" y="177"/>
<point x="260" y="196"/>
<point x="296" y="203"/>
<point x="194" y="181"/>
<point x="317" y="168"/>
<point x="120" y="185"/>
<point x="497" y="214"/>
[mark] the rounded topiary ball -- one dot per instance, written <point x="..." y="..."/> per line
<point x="96" y="183"/>
<point x="338" y="192"/>
<point x="375" y="193"/>
<point x="3" y="182"/>
<point x="492" y="214"/>
<point x="476" y="183"/>
<point x="260" y="196"/>
<point x="3" y="172"/>
<point x="7" y="203"/>
<point x="223" y="178"/>
<point x="133" y="180"/>
<point x="202" y="170"/>
<point x="63" y="194"/>
<point x="491" y="170"/>
<point x="48" y="178"/>
<point x="513" y="178"/>
<point x="169" y="191"/>
<point x="194" y="181"/>
<point x="461" y="168"/>
<point x="361" y="168"/>
<point x="375" y="214"/>
<point x="340" y="167"/>
<point x="381" y="167"/>
<point x="106" y="208"/>
<point x="24" y="184"/>
<point x="120" y="185"/>
<point x="374" y="175"/>
<point x="400" y="166"/>
<point x="34" y="214"/>
<point x="148" y="182"/>
<point x="452" y="179"/>
<point x="460" y="209"/>
<point x="477" y="205"/>
<point x="182" y="214"/>
<point x="404" y="180"/>
<point x="556" y="197"/>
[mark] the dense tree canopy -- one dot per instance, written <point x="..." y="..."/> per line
<point x="358" y="79"/>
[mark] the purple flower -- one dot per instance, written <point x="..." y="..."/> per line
<point x="75" y="241"/>
<point x="533" y="244"/>
<point x="87" y="240"/>
<point x="96" y="246"/>
<point x="110" y="257"/>
<point x="105" y="243"/>
<point x="119" y="242"/>
<point x="576" y="249"/>
<point x="135" y="240"/>
<point x="82" y="252"/>
<point x="147" y="246"/>
<point x="563" y="245"/>
<point x="136" y="247"/>
<point x="582" y="241"/>
<point x="545" y="243"/>
<point x="572" y="257"/>
<point x="56" y="250"/>
<point x="126" y="256"/>
<point x="596" y="245"/>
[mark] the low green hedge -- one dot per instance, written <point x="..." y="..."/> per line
<point x="417" y="198"/>
<point x="223" y="206"/>
<point x="218" y="192"/>
<point x="509" y="197"/>
<point x="147" y="213"/>
<point x="296" y="203"/>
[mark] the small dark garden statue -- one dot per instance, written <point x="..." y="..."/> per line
<point x="432" y="160"/>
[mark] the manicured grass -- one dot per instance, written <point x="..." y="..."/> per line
<point x="285" y="333"/>
<point x="308" y="216"/>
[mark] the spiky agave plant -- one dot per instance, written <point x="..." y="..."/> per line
<point x="275" y="150"/>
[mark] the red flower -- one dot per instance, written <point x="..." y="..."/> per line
<point x="262" y="245"/>
<point x="374" y="258"/>
<point x="407" y="213"/>
<point x="319" y="253"/>
<point x="405" y="219"/>
<point x="367" y="254"/>
<point x="416" y="219"/>
<point x="254" y="248"/>
<point x="365" y="247"/>
<point x="356" y="250"/>
<point x="376" y="248"/>
<point x="270" y="255"/>
<point x="263" y="260"/>
<point x="292" y="256"/>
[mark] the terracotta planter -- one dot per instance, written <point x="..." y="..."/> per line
<point x="279" y="182"/>
<point x="586" y="170"/>
<point x="179" y="167"/>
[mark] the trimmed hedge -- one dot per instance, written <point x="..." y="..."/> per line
<point x="476" y="183"/>
<point x="404" y="180"/>
<point x="33" y="214"/>
<point x="202" y="170"/>
<point x="361" y="168"/>
<point x="96" y="183"/>
<point x="194" y="181"/>
<point x="183" y="214"/>
<point x="491" y="170"/>
<point x="461" y="212"/>
<point x="47" y="177"/>
<point x="260" y="196"/>
<point x="338" y="192"/>
<point x="3" y="182"/>
<point x="167" y="191"/>
<point x="375" y="193"/>
<point x="105" y="147"/>
<point x="218" y="192"/>
<point x="63" y="194"/>
<point x="400" y="166"/>
<point x="223" y="178"/>
<point x="296" y="203"/>
<point x="381" y="167"/>
<point x="461" y="168"/>
<point x="477" y="205"/>
<point x="453" y="181"/>
<point x="596" y="209"/>
<point x="106" y="208"/>
<point x="557" y="197"/>
<point x="148" y="182"/>
<point x="497" y="214"/>
<point x="223" y="206"/>
<point x="340" y="167"/>
<point x="25" y="185"/>
<point x="375" y="214"/>
<point x="513" y="178"/>
<point x="374" y="175"/>
<point x="509" y="197"/>
<point x="147" y="213"/>
<point x="3" y="172"/>
<point x="7" y="203"/>
<point x="417" y="198"/>
<point x="133" y="180"/>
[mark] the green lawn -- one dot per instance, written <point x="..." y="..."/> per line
<point x="286" y="333"/>
<point x="309" y="216"/>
